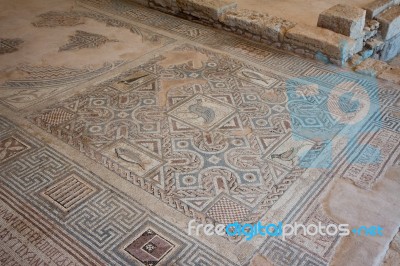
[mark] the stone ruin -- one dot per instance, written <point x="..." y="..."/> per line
<point x="343" y="32"/>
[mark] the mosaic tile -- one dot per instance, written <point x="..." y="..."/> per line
<point x="118" y="230"/>
<point x="112" y="121"/>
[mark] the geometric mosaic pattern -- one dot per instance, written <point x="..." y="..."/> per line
<point x="11" y="147"/>
<point x="149" y="248"/>
<point x="180" y="142"/>
<point x="185" y="145"/>
<point x="83" y="39"/>
<point x="226" y="211"/>
<point x="57" y="116"/>
<point x="56" y="19"/>
<point x="210" y="137"/>
<point x="39" y="82"/>
<point x="9" y="45"/>
<point x="69" y="193"/>
<point x="118" y="230"/>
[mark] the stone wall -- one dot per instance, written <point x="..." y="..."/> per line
<point x="342" y="31"/>
<point x="375" y="28"/>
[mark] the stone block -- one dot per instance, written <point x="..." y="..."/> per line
<point x="391" y="48"/>
<point x="262" y="24"/>
<point x="206" y="9"/>
<point x="376" y="7"/>
<point x="373" y="24"/>
<point x="375" y="44"/>
<point x="244" y="19"/>
<point x="390" y="22"/>
<point x="276" y="25"/>
<point x="371" y="67"/>
<point x="359" y="44"/>
<point x="330" y="43"/>
<point x="369" y="34"/>
<point x="343" y="19"/>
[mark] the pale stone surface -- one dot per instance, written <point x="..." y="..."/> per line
<point x="359" y="44"/>
<point x="380" y="69"/>
<point x="374" y="43"/>
<point x="379" y="206"/>
<point x="321" y="40"/>
<point x="343" y="19"/>
<point x="371" y="67"/>
<point x="393" y="254"/>
<point x="259" y="260"/>
<point x="390" y="22"/>
<point x="376" y="7"/>
<point x="299" y="11"/>
<point x="257" y="23"/>
<point x="395" y="61"/>
<point x="209" y="9"/>
<point x="391" y="74"/>
<point x="391" y="48"/>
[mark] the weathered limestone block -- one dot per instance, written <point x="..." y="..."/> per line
<point x="390" y="22"/>
<point x="206" y="9"/>
<point x="275" y="26"/>
<point x="391" y="48"/>
<point x="244" y="19"/>
<point x="375" y="44"/>
<point x="376" y="7"/>
<point x="261" y="24"/>
<point x="371" y="67"/>
<point x="343" y="19"/>
<point x="359" y="44"/>
<point x="316" y="39"/>
<point x="369" y="34"/>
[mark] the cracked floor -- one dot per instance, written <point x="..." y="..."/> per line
<point x="120" y="124"/>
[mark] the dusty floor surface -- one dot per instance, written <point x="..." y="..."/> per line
<point x="120" y="124"/>
<point x="300" y="11"/>
<point x="395" y="61"/>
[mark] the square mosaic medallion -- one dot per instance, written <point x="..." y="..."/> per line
<point x="149" y="248"/>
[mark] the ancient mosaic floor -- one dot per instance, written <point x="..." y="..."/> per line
<point x="120" y="124"/>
